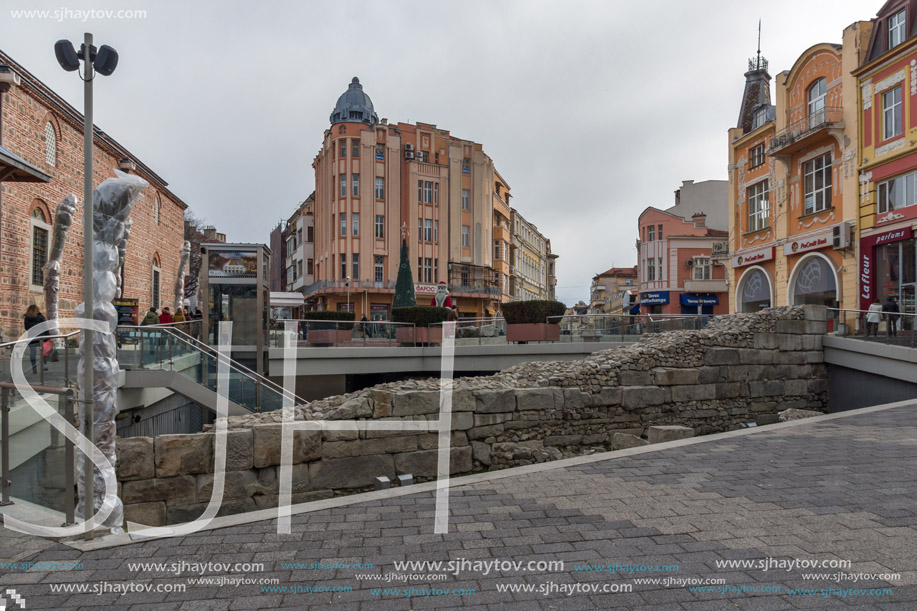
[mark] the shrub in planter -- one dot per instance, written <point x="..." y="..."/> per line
<point x="422" y="317"/>
<point x="335" y="319"/>
<point x="532" y="312"/>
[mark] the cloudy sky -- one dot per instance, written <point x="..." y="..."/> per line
<point x="591" y="110"/>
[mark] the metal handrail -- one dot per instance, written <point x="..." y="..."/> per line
<point x="805" y="125"/>
<point x="5" y="483"/>
<point x="861" y="314"/>
<point x="42" y="338"/>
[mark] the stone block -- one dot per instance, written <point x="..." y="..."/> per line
<point x="462" y="421"/>
<point x="148" y="514"/>
<point x="483" y="432"/>
<point x="236" y="485"/>
<point x="643" y="396"/>
<point x="763" y="419"/>
<point x="364" y="447"/>
<point x="815" y="312"/>
<point x="340" y="435"/>
<point x="535" y="399"/>
<point x="352" y="409"/>
<point x="563" y="440"/>
<point x="728" y="390"/>
<point x="797" y="414"/>
<point x="491" y="419"/>
<point x="307" y="445"/>
<point x="811" y="342"/>
<point x="696" y="392"/>
<point x="411" y="403"/>
<point x="795" y="327"/>
<point x="431" y="441"/>
<point x="669" y="376"/>
<point x="786" y="341"/>
<point x="516" y="425"/>
<point x="630" y="377"/>
<point x="818" y="385"/>
<point x="382" y="403"/>
<point x="480" y="452"/>
<point x="494" y="401"/>
<point x="766" y="388"/>
<point x="795" y="387"/>
<point x="816" y="327"/>
<point x="765" y="341"/>
<point x="135" y="458"/>
<point x="739" y="373"/>
<point x="621" y="441"/>
<point x="721" y="356"/>
<point x="576" y="399"/>
<point x="462" y="401"/>
<point x="352" y="472"/>
<point x="183" y="454"/>
<point x="748" y="356"/>
<point x="173" y="490"/>
<point x="595" y="439"/>
<point x="425" y="463"/>
<point x="239" y="450"/>
<point x="790" y="358"/>
<point x="815" y="357"/>
<point x="608" y="396"/>
<point x="660" y="434"/>
<point x="709" y="375"/>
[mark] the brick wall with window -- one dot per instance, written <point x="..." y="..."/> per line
<point x="27" y="110"/>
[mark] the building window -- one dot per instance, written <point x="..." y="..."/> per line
<point x="156" y="205"/>
<point x="760" y="118"/>
<point x="818" y="95"/>
<point x="310" y="266"/>
<point x="354" y="148"/>
<point x="355" y="217"/>
<point x="435" y="270"/>
<point x="496" y="250"/>
<point x="896" y="29"/>
<point x="651" y="270"/>
<point x="157" y="275"/>
<point x="756" y="156"/>
<point x="50" y="144"/>
<point x="898" y="192"/>
<point x="891" y="113"/>
<point x="380" y="226"/>
<point x="343" y="185"/>
<point x="419" y="190"/>
<point x="466" y="196"/>
<point x="651" y="234"/>
<point x="436" y="231"/>
<point x="428" y="269"/>
<point x="420" y="230"/>
<point x="758" y="206"/>
<point x="428" y="230"/>
<point x="464" y="276"/>
<point x="355" y="179"/>
<point x="658" y="236"/>
<point x="40" y="232"/>
<point x="435" y="192"/>
<point x="343" y="225"/>
<point x="299" y="269"/>
<point x="817" y="185"/>
<point x="343" y="266"/>
<point x="310" y="234"/>
<point x="380" y="187"/>
<point x="466" y="166"/>
<point x="356" y="266"/>
<point x="466" y="235"/>
<point x="342" y="148"/>
<point x="379" y="267"/>
<point x="702" y="269"/>
<point x="380" y="152"/>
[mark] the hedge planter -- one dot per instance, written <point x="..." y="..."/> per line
<point x="533" y="332"/>
<point x="419" y="335"/>
<point x="328" y="337"/>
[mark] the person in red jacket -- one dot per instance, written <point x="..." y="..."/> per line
<point x="166" y="316"/>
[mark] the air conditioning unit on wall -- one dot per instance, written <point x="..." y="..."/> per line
<point x="690" y="263"/>
<point x="840" y="235"/>
<point x="408" y="151"/>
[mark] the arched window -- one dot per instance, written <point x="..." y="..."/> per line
<point x="50" y="144"/>
<point x="40" y="230"/>
<point x="818" y="95"/>
<point x="754" y="291"/>
<point x="156" y="206"/>
<point x="813" y="281"/>
<point x="156" y="292"/>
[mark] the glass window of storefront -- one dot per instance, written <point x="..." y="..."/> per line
<point x="814" y="282"/>
<point x="755" y="292"/>
<point x="238" y="303"/>
<point x="897" y="274"/>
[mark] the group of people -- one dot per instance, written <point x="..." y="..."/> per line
<point x="166" y="317"/>
<point x="877" y="311"/>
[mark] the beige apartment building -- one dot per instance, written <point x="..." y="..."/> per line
<point x="529" y="261"/>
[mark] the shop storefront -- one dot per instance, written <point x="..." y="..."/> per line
<point x="813" y="280"/>
<point x="652" y="302"/>
<point x="755" y="287"/>
<point x="698" y="303"/>
<point x="888" y="261"/>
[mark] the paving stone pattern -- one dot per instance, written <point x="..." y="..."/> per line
<point x="844" y="489"/>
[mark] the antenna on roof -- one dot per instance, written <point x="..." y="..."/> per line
<point x="759" y="41"/>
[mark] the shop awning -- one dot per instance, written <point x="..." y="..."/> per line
<point x="16" y="169"/>
<point x="286" y="299"/>
<point x="635" y="309"/>
<point x="490" y="311"/>
<point x="699" y="299"/>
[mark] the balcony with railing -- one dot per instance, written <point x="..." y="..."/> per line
<point x="802" y="131"/>
<point x="340" y="286"/>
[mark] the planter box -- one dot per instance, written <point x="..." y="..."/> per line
<point x="536" y="332"/>
<point x="419" y="335"/>
<point x="327" y="337"/>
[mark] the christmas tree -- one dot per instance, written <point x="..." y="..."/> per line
<point x="404" y="286"/>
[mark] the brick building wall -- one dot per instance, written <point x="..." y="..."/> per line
<point x="26" y="110"/>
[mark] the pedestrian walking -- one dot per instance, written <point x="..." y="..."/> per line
<point x="33" y="316"/>
<point x="892" y="314"/>
<point x="166" y="317"/>
<point x="873" y="316"/>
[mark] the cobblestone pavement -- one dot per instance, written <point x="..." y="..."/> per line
<point x="837" y="491"/>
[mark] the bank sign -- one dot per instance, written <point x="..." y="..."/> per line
<point x="814" y="242"/>
<point x="868" y="290"/>
<point x="753" y="256"/>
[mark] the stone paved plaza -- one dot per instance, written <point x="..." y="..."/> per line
<point x="828" y="490"/>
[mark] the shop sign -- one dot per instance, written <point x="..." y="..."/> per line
<point x="754" y="256"/>
<point x="424" y="289"/>
<point x="658" y="298"/>
<point x="815" y="242"/>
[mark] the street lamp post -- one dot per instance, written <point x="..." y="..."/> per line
<point x="105" y="60"/>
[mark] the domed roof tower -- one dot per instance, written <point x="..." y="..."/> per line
<point x="354" y="105"/>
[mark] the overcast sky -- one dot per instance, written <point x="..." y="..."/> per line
<point x="590" y="110"/>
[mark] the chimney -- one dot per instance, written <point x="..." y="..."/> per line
<point x="700" y="219"/>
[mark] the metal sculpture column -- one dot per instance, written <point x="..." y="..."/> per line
<point x="180" y="278"/>
<point x="62" y="221"/>
<point x="112" y="203"/>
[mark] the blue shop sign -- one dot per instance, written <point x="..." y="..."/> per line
<point x="698" y="300"/>
<point x="660" y="298"/>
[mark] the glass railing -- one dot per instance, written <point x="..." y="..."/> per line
<point x="57" y="369"/>
<point x="157" y="347"/>
<point x="340" y="334"/>
<point x="477" y="331"/>
<point x="896" y="328"/>
<point x="619" y="327"/>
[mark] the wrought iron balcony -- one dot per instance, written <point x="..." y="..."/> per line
<point x="797" y="132"/>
